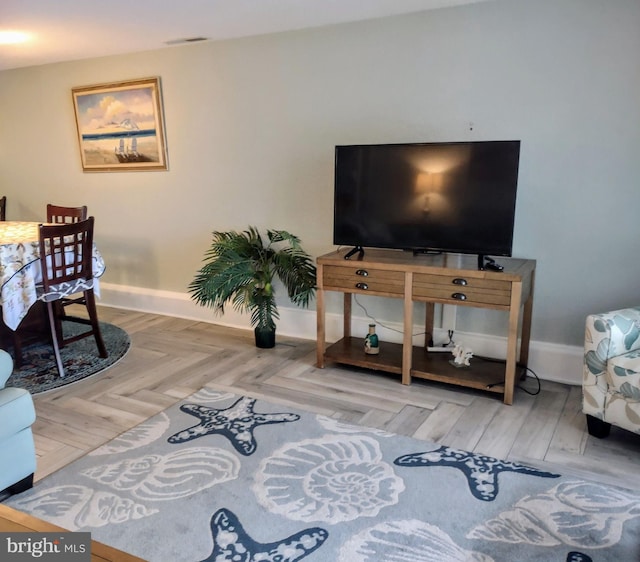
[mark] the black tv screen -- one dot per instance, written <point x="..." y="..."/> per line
<point x="457" y="197"/>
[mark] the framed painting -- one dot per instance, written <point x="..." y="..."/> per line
<point x="121" y="126"/>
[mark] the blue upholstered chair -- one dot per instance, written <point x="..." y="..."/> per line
<point x="611" y="377"/>
<point x="17" y="449"/>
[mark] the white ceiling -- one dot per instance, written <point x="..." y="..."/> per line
<point x="64" y="30"/>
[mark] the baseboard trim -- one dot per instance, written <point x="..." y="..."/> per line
<point x="552" y="362"/>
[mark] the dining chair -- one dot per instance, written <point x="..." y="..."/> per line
<point x="59" y="214"/>
<point x="63" y="215"/>
<point x="66" y="263"/>
<point x="3" y="208"/>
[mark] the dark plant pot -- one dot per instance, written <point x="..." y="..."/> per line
<point x="265" y="337"/>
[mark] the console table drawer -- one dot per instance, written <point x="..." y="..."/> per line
<point x="457" y="290"/>
<point x="365" y="280"/>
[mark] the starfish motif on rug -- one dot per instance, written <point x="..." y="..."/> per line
<point x="578" y="557"/>
<point x="231" y="542"/>
<point x="237" y="423"/>
<point x="481" y="471"/>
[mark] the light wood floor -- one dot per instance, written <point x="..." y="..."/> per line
<point x="171" y="358"/>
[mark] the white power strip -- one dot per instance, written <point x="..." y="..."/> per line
<point x="440" y="349"/>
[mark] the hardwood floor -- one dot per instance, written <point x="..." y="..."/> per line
<point x="14" y="521"/>
<point x="171" y="358"/>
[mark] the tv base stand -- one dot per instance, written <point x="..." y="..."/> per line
<point x="444" y="279"/>
<point x="356" y="250"/>
<point x="485" y="262"/>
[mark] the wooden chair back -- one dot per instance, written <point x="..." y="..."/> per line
<point x="59" y="214"/>
<point x="66" y="253"/>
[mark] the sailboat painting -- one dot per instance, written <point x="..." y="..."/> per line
<point x="121" y="126"/>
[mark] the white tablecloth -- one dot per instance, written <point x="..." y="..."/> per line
<point x="20" y="269"/>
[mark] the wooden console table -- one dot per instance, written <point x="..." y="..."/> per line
<point x="445" y="279"/>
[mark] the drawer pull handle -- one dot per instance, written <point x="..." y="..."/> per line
<point x="362" y="286"/>
<point x="460" y="281"/>
<point x="362" y="272"/>
<point x="459" y="296"/>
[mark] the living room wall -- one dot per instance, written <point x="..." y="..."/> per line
<point x="252" y="123"/>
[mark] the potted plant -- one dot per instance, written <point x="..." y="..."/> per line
<point x="241" y="268"/>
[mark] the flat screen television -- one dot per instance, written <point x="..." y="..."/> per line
<point x="457" y="197"/>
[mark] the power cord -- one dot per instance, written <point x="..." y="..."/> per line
<point x="450" y="343"/>
<point x="450" y="333"/>
<point x="366" y="313"/>
<point x="535" y="376"/>
<point x="523" y="375"/>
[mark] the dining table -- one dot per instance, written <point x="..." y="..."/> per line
<point x="20" y="270"/>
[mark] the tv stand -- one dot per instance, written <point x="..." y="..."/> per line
<point x="429" y="279"/>
<point x="356" y="250"/>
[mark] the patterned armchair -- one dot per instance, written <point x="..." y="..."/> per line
<point x="611" y="374"/>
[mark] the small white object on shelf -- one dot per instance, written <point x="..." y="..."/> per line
<point x="461" y="356"/>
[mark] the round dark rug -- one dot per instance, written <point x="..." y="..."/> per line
<point x="80" y="359"/>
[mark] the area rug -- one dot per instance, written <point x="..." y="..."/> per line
<point x="38" y="372"/>
<point x="220" y="477"/>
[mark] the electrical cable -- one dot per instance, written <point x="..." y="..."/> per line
<point x="526" y="369"/>
<point x="366" y="313"/>
<point x="537" y="380"/>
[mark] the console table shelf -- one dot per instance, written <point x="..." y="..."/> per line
<point x="482" y="375"/>
<point x="350" y="352"/>
<point x="445" y="279"/>
<point x="435" y="366"/>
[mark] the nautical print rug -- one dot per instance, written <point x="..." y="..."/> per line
<point x="220" y="477"/>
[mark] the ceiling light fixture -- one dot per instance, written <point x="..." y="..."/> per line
<point x="11" y="37"/>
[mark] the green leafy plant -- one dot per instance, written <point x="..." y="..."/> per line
<point x="241" y="269"/>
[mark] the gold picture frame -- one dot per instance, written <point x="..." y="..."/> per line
<point x="121" y="126"/>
